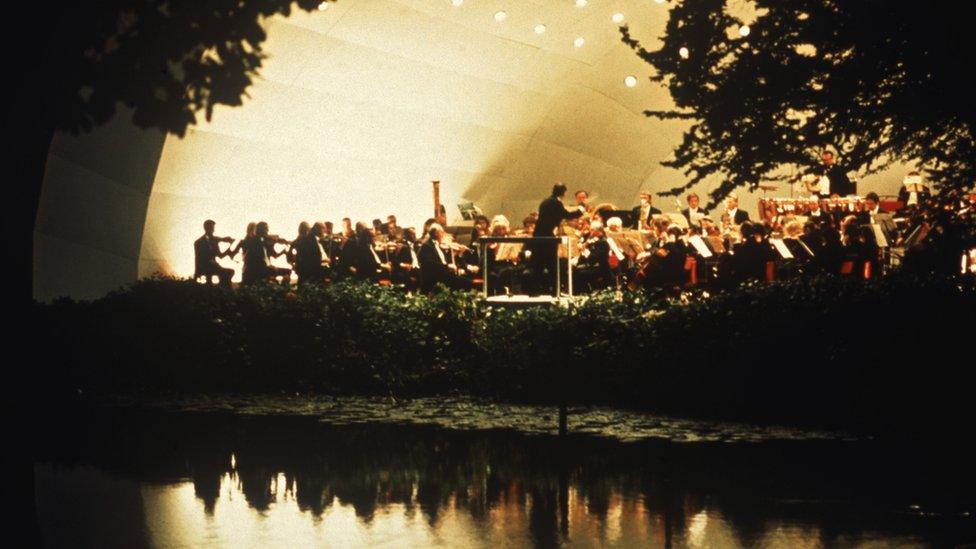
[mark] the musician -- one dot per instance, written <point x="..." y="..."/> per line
<point x="693" y="213"/>
<point x="310" y="259"/>
<point x="833" y="179"/>
<point x="392" y="229"/>
<point x="368" y="264"/>
<point x="551" y="214"/>
<point x="379" y="227"/>
<point x="206" y="250"/>
<point x="733" y="215"/>
<point x="913" y="191"/>
<point x="259" y="249"/>
<point x="434" y="268"/>
<point x="817" y="214"/>
<point x="872" y="208"/>
<point x="583" y="199"/>
<point x="593" y="266"/>
<point x="750" y="256"/>
<point x="406" y="262"/>
<point x="643" y="214"/>
<point x="303" y="230"/>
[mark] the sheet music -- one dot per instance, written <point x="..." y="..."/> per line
<point x="700" y="246"/>
<point x="781" y="248"/>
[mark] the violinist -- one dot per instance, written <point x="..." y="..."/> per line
<point x="206" y="250"/>
<point x="501" y="273"/>
<point x="311" y="261"/>
<point x="593" y="268"/>
<point x="258" y="250"/>
<point x="749" y="258"/>
<point x="406" y="263"/>
<point x="367" y="263"/>
<point x="643" y="214"/>
<point x="392" y="229"/>
<point x="434" y="267"/>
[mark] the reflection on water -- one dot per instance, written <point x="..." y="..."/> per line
<point x="126" y="478"/>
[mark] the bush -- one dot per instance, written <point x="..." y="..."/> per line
<point x="822" y="350"/>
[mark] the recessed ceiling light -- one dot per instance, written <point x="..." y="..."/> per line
<point x="683" y="52"/>
<point x="581" y="3"/>
<point x="457" y="3"/>
<point x="660" y="1"/>
<point x="578" y="43"/>
<point x="618" y="18"/>
<point x="323" y="6"/>
<point x="630" y="81"/>
<point x="500" y="16"/>
<point x="540" y="29"/>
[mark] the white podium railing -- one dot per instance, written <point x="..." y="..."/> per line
<point x="484" y="241"/>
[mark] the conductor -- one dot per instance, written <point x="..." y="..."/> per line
<point x="551" y="214"/>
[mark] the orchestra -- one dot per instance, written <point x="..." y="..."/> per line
<point x="852" y="236"/>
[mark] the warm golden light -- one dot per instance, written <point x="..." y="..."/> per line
<point x="581" y="3"/>
<point x="618" y="18"/>
<point x="578" y="43"/>
<point x="540" y="29"/>
<point x="630" y="81"/>
<point x="323" y="6"/>
<point x="744" y="30"/>
<point x="683" y="52"/>
<point x="500" y="16"/>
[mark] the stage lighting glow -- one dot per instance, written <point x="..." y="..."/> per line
<point x="744" y="30"/>
<point x="500" y="16"/>
<point x="540" y="29"/>
<point x="578" y="43"/>
<point x="323" y="6"/>
<point x="581" y="3"/>
<point x="457" y="3"/>
<point x="618" y="18"/>
<point x="660" y="1"/>
<point x="683" y="52"/>
<point x="630" y="81"/>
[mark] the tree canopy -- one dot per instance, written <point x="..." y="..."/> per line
<point x="165" y="60"/>
<point x="768" y="84"/>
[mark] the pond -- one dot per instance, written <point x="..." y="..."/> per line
<point x="299" y="472"/>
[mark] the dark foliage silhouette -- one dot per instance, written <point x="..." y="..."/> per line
<point x="879" y="80"/>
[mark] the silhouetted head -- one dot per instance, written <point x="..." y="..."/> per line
<point x="436" y="232"/>
<point x="409" y="234"/>
<point x="559" y="190"/>
<point x="303" y="228"/>
<point x="251" y="230"/>
<point x="208" y="227"/>
<point x="261" y="229"/>
<point x="317" y="230"/>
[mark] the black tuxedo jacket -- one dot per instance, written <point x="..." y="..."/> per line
<point x="741" y="216"/>
<point x="431" y="266"/>
<point x="687" y="213"/>
<point x="205" y="253"/>
<point x="635" y="216"/>
<point x="551" y="214"/>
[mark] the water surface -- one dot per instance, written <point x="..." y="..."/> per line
<point x="361" y="472"/>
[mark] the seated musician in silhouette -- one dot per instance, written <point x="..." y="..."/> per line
<point x="434" y="268"/>
<point x="368" y="264"/>
<point x="206" y="250"/>
<point x="642" y="215"/>
<point x="406" y="262"/>
<point x="751" y="254"/>
<point x="311" y="261"/>
<point x="259" y="249"/>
